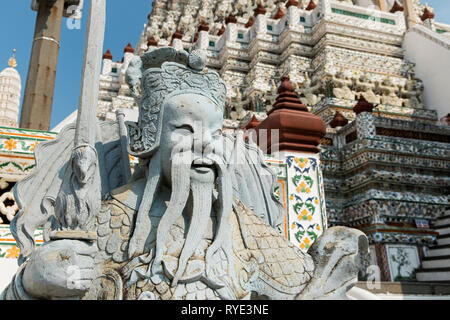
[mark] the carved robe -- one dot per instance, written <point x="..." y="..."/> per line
<point x="265" y="265"/>
<point x="264" y="262"/>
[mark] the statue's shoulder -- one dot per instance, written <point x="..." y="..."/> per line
<point x="281" y="263"/>
<point x="130" y="195"/>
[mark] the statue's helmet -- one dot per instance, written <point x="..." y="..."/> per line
<point x="160" y="74"/>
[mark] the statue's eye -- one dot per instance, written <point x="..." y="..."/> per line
<point x="185" y="127"/>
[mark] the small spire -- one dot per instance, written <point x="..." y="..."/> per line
<point x="253" y="123"/>
<point x="152" y="42"/>
<point x="279" y="14"/>
<point x="311" y="5"/>
<point x="107" y="55"/>
<point x="230" y="19"/>
<point x="221" y="30"/>
<point x="291" y="3"/>
<point x="203" y="27"/>
<point x="250" y="22"/>
<point x="446" y="120"/>
<point x="259" y="10"/>
<point x="339" y="120"/>
<point x="363" y="106"/>
<point x="12" y="61"/>
<point x="427" y="14"/>
<point x="287" y="97"/>
<point x="396" y="7"/>
<point x="300" y="130"/>
<point x="177" y="35"/>
<point x="129" y="48"/>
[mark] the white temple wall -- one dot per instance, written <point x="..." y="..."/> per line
<point x="431" y="54"/>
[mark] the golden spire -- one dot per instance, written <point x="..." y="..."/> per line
<point x="12" y="61"/>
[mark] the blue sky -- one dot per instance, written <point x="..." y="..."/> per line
<point x="125" y="22"/>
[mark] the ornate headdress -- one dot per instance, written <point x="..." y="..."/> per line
<point x="162" y="73"/>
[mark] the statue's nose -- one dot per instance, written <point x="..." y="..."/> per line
<point x="202" y="145"/>
<point x="206" y="139"/>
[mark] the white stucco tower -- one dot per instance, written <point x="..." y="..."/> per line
<point x="10" y="89"/>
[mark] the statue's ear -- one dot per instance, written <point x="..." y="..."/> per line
<point x="142" y="142"/>
<point x="133" y="76"/>
<point x="134" y="136"/>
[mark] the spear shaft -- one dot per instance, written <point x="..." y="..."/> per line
<point x="87" y="109"/>
<point x="79" y="198"/>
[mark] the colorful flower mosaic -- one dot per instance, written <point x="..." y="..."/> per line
<point x="17" y="150"/>
<point x="8" y="245"/>
<point x="299" y="178"/>
<point x="13" y="252"/>
<point x="22" y="141"/>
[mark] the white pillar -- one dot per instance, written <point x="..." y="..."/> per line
<point x="203" y="40"/>
<point x="410" y="15"/>
<point x="231" y="33"/>
<point x="325" y="7"/>
<point x="293" y="15"/>
<point x="107" y="67"/>
<point x="261" y="24"/>
<point x="177" y="44"/>
<point x="293" y="18"/>
<point x="429" y="23"/>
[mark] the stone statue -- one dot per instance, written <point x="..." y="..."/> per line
<point x="271" y="95"/>
<point x="367" y="88"/>
<point x="308" y="92"/>
<point x="342" y="85"/>
<point x="195" y="221"/>
<point x="412" y="93"/>
<point x="222" y="9"/>
<point x="168" y="26"/>
<point x="238" y="103"/>
<point x="389" y="92"/>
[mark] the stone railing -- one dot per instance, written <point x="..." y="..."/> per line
<point x="366" y="17"/>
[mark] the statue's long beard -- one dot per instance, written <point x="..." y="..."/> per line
<point x="180" y="193"/>
<point x="202" y="192"/>
<point x="201" y="211"/>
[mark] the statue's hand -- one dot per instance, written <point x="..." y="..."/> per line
<point x="60" y="269"/>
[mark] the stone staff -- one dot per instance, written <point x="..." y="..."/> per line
<point x="79" y="198"/>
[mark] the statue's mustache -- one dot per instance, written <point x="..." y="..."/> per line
<point x="207" y="163"/>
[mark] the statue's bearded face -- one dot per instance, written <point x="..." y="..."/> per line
<point x="194" y="122"/>
<point x="192" y="166"/>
